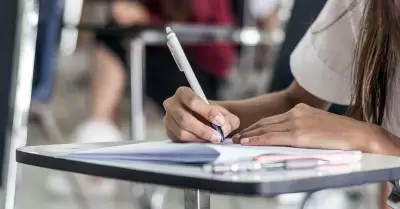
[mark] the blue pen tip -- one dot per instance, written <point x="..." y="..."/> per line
<point x="217" y="128"/>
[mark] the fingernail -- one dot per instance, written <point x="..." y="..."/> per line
<point x="216" y="138"/>
<point x="219" y="120"/>
<point x="236" y="137"/>
<point x="244" y="141"/>
<point x="226" y="129"/>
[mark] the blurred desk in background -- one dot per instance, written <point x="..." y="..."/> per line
<point x="198" y="184"/>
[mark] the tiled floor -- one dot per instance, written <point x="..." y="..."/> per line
<point x="69" y="107"/>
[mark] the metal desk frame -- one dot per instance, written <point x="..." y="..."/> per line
<point x="22" y="87"/>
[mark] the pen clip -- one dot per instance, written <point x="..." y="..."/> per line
<point x="173" y="55"/>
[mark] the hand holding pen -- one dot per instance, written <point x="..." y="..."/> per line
<point x="189" y="116"/>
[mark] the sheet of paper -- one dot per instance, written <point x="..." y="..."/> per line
<point x="147" y="147"/>
<point x="152" y="151"/>
<point x="166" y="151"/>
<point x="234" y="151"/>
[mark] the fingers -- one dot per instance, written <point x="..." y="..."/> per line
<point x="236" y="139"/>
<point x="268" y="121"/>
<point x="186" y="122"/>
<point x="188" y="113"/>
<point x="270" y="139"/>
<point x="175" y="133"/>
<point x="278" y="123"/>
<point x="290" y="140"/>
<point x="193" y="102"/>
<point x="232" y="123"/>
<point x="265" y="129"/>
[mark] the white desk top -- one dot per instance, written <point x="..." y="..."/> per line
<point x="371" y="169"/>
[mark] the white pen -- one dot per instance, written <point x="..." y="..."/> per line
<point x="251" y="165"/>
<point x="183" y="64"/>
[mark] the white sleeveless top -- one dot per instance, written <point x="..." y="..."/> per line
<point x="321" y="62"/>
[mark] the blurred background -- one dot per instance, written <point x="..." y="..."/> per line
<point x="73" y="61"/>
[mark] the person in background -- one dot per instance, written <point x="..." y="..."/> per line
<point x="211" y="64"/>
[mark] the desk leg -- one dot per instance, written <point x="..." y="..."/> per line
<point x="137" y="56"/>
<point x="21" y="96"/>
<point x="196" y="199"/>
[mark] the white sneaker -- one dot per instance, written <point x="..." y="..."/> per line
<point x="89" y="132"/>
<point x="97" y="131"/>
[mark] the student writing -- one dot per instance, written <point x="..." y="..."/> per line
<point x="348" y="56"/>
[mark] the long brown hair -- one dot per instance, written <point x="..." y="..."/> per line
<point x="376" y="57"/>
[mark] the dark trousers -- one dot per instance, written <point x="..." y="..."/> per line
<point x="303" y="14"/>
<point x="162" y="76"/>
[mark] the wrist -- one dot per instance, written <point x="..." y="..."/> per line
<point x="380" y="141"/>
<point x="228" y="105"/>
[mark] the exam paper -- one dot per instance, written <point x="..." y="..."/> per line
<point x="192" y="153"/>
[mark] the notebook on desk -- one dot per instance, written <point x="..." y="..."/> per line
<point x="196" y="153"/>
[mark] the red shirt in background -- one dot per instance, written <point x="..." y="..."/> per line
<point x="217" y="59"/>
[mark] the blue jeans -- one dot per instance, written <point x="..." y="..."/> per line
<point x="47" y="44"/>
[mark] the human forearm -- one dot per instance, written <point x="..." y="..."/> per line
<point x="251" y="110"/>
<point x="378" y="140"/>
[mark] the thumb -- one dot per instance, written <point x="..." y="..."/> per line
<point x="232" y="123"/>
<point x="196" y="104"/>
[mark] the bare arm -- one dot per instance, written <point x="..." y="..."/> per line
<point x="187" y="115"/>
<point x="251" y="110"/>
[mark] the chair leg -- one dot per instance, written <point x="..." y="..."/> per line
<point x="54" y="135"/>
<point x="47" y="122"/>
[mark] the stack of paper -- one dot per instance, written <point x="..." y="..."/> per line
<point x="190" y="152"/>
